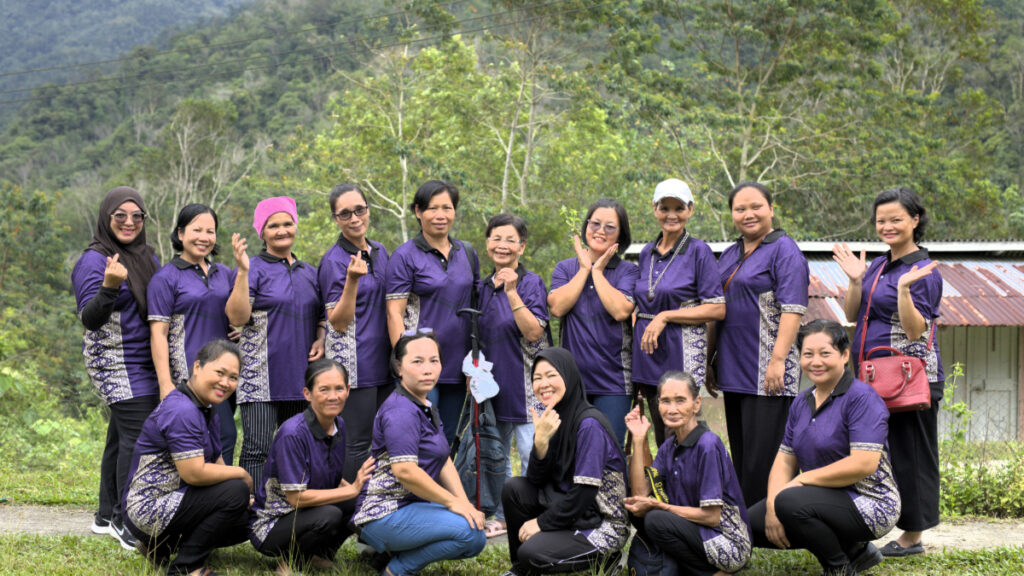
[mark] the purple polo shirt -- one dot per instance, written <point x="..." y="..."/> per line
<point x="884" y="328"/>
<point x="772" y="280"/>
<point x="364" y="348"/>
<point x="697" y="472"/>
<point x="688" y="280"/>
<point x="275" y="343"/>
<point x="302" y="457"/>
<point x="503" y="344"/>
<point x="404" y="430"/>
<point x="117" y="356"/>
<point x="599" y="462"/>
<point x="853" y="417"/>
<point x="436" y="288"/>
<point x="192" y="303"/>
<point x="178" y="429"/>
<point x="602" y="346"/>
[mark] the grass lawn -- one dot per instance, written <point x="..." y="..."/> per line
<point x="100" y="556"/>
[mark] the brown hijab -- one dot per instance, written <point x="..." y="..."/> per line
<point x="137" y="256"/>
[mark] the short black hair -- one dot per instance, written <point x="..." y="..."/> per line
<point x="625" y="238"/>
<point x="426" y="192"/>
<point x="185" y="217"/>
<point x="685" y="378"/>
<point x="831" y="328"/>
<point x="214" y="349"/>
<point x="320" y="366"/>
<point x="506" y="219"/>
<point x="341" y="189"/>
<point x="910" y="202"/>
<point x="749" y="184"/>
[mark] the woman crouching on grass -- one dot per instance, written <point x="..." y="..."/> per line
<point x="180" y="494"/>
<point x="703" y="525"/>
<point x="302" y="516"/>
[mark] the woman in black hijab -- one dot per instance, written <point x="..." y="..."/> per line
<point x="110" y="281"/>
<point x="574" y="487"/>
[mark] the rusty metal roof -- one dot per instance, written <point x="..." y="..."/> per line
<point x="975" y="292"/>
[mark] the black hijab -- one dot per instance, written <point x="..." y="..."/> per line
<point x="137" y="256"/>
<point x="573" y="408"/>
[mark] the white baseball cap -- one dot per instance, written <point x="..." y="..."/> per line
<point x="673" y="188"/>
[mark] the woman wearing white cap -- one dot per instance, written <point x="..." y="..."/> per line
<point x="677" y="293"/>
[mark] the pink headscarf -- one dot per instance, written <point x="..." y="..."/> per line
<point x="267" y="208"/>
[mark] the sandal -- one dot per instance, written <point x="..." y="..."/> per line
<point x="495" y="528"/>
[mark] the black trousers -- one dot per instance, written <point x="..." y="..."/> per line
<point x="914" y="446"/>
<point x="260" y="420"/>
<point x="664" y="532"/>
<point x="548" y="552"/>
<point x="755" y="425"/>
<point x="209" y="517"/>
<point x="308" y="532"/>
<point x="126" y="420"/>
<point x="657" y="424"/>
<point x="358" y="414"/>
<point x="825" y="521"/>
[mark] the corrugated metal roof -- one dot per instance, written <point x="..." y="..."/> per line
<point x="975" y="292"/>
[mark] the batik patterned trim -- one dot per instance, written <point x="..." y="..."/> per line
<point x="176" y="349"/>
<point x="695" y="347"/>
<point x="877" y="498"/>
<point x="613" y="531"/>
<point x="104" y="361"/>
<point x="341" y="347"/>
<point x="383" y="491"/>
<point x="730" y="550"/>
<point x="153" y="497"/>
<point x="919" y="348"/>
<point x="768" y="330"/>
<point x="254" y="378"/>
<point x="626" y="355"/>
<point x="275" y="506"/>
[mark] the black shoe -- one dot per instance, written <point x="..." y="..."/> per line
<point x="123" y="536"/>
<point x="894" y="550"/>
<point x="866" y="559"/>
<point x="844" y="570"/>
<point x="100" y="525"/>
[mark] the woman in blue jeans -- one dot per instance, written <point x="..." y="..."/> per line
<point x="414" y="506"/>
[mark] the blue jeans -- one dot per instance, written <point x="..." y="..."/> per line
<point x="615" y="408"/>
<point x="524" y="445"/>
<point x="420" y="533"/>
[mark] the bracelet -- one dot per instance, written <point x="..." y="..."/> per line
<point x="514" y="308"/>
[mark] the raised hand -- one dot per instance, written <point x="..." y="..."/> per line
<point x="114" y="273"/>
<point x="637" y="423"/>
<point x="853" y="266"/>
<point x="915" y="274"/>
<point x="507" y="278"/>
<point x="582" y="254"/>
<point x="606" y="257"/>
<point x="545" y="425"/>
<point x="357" y="267"/>
<point x="238" y="246"/>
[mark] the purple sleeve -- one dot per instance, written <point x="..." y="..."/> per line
<point x="627" y="281"/>
<point x="291" y="456"/>
<point x="927" y="294"/>
<point x="868" y="421"/>
<point x="709" y="288"/>
<point x="592" y="447"/>
<point x="255" y="277"/>
<point x="160" y="295"/>
<point x="401" y="277"/>
<point x="87" y="277"/>
<point x="791" y="277"/>
<point x="535" y="296"/>
<point x="560" y="276"/>
<point x="185" y="430"/>
<point x="401" y="435"/>
<point x="331" y="277"/>
<point x="711" y="474"/>
<point x="787" y="436"/>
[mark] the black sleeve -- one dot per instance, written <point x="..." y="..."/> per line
<point x="97" y="311"/>
<point x="562" y="514"/>
<point x="537" y="470"/>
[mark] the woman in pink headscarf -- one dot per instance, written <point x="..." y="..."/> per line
<point x="276" y="301"/>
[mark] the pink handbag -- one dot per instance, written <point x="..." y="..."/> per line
<point x="900" y="380"/>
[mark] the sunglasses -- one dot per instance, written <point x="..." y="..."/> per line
<point x="594" y="226"/>
<point x="346" y="215"/>
<point x="138" y="217"/>
<point x="418" y="332"/>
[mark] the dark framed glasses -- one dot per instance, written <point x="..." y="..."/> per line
<point x="346" y="215"/>
<point x="138" y="217"/>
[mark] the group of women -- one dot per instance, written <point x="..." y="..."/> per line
<point x="350" y="387"/>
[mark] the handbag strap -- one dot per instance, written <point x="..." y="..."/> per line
<point x="867" y="313"/>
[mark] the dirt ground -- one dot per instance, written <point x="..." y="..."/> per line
<point x="961" y="534"/>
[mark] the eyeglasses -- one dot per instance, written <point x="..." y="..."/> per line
<point x="594" y="226"/>
<point x="418" y="332"/>
<point x="500" y="240"/>
<point x="138" y="217"/>
<point x="346" y="215"/>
